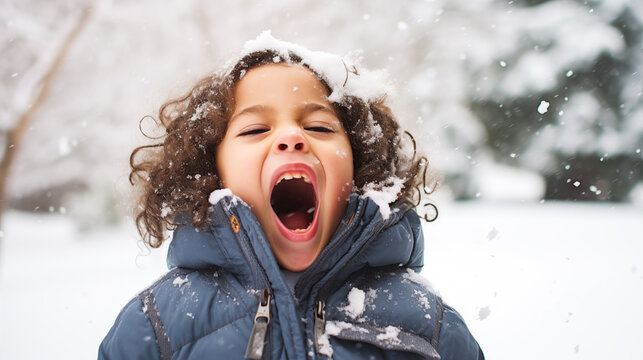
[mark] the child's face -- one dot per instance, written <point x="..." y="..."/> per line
<point x="286" y="154"/>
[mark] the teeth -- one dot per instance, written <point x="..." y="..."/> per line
<point x="292" y="175"/>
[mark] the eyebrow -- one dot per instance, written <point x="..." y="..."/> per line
<point x="303" y="110"/>
<point x="254" y="109"/>
<point x="312" y="107"/>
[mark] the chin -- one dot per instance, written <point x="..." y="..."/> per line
<point x="297" y="256"/>
<point x="296" y="266"/>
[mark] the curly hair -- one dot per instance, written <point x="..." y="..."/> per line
<point x="178" y="173"/>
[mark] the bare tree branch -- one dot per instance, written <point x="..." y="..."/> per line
<point x="14" y="136"/>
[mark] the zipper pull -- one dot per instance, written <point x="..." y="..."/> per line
<point x="258" y="335"/>
<point x="320" y="325"/>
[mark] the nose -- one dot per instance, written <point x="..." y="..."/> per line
<point x="290" y="140"/>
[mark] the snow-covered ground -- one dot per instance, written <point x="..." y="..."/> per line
<point x="533" y="281"/>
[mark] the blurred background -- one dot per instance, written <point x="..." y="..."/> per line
<point x="531" y="111"/>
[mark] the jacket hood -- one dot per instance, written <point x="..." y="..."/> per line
<point x="234" y="241"/>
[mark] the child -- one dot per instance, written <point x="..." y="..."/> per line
<point x="290" y="190"/>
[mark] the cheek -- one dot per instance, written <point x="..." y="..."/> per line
<point x="340" y="166"/>
<point x="238" y="176"/>
<point x="224" y="167"/>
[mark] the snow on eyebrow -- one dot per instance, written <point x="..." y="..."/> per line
<point x="344" y="75"/>
<point x="356" y="303"/>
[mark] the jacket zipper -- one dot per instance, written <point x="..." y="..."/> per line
<point x="311" y="272"/>
<point x="320" y="324"/>
<point x="254" y="350"/>
<point x="319" y="327"/>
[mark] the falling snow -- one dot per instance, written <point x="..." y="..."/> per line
<point x="543" y="106"/>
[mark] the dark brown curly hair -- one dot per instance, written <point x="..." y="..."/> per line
<point x="178" y="173"/>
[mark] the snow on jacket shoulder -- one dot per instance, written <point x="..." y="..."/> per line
<point x="361" y="298"/>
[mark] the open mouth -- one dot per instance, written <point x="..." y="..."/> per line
<point x="294" y="201"/>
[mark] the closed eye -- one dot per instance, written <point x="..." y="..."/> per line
<point x="253" y="132"/>
<point x="320" y="129"/>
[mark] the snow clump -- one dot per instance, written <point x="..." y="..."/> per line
<point x="201" y="111"/>
<point x="324" y="345"/>
<point x="384" y="193"/>
<point x="419" y="279"/>
<point x="390" y="335"/>
<point x="356" y="303"/>
<point x="334" y="328"/>
<point x="178" y="282"/>
<point x="344" y="75"/>
<point x="219" y="194"/>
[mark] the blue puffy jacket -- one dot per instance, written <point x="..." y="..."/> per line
<point x="225" y="297"/>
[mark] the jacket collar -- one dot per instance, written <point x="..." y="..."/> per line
<point x="363" y="238"/>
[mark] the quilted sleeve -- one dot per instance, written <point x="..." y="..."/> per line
<point x="131" y="336"/>
<point x="456" y="342"/>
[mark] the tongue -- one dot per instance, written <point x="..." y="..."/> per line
<point x="298" y="220"/>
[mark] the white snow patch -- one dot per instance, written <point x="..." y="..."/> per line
<point x="418" y="279"/>
<point x="179" y="282"/>
<point x="565" y="260"/>
<point x="390" y="335"/>
<point x="356" y="303"/>
<point x="374" y="129"/>
<point x="384" y="193"/>
<point x="324" y="345"/>
<point x="501" y="182"/>
<point x="371" y="295"/>
<point x="344" y="75"/>
<point x="219" y="194"/>
<point x="165" y="210"/>
<point x="334" y="328"/>
<point x="201" y="111"/>
<point x="422" y="299"/>
<point x="543" y="106"/>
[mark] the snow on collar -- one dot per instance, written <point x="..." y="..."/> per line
<point x="384" y="194"/>
<point x="344" y="75"/>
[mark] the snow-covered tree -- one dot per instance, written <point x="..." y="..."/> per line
<point x="565" y="99"/>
